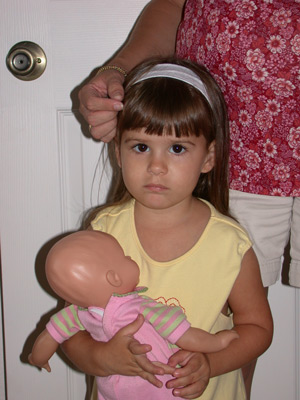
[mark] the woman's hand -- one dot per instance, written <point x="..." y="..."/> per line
<point x="192" y="378"/>
<point x="100" y="100"/>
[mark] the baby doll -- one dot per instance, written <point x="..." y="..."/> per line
<point x="90" y="271"/>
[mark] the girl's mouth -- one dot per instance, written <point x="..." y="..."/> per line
<point x="152" y="187"/>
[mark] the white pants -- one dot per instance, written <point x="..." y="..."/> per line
<point x="271" y="222"/>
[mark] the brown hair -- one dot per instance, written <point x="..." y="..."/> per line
<point x="166" y="105"/>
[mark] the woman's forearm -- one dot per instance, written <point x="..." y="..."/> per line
<point x="154" y="33"/>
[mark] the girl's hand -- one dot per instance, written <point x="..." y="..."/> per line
<point x="192" y="378"/>
<point x="124" y="355"/>
<point x="100" y="100"/>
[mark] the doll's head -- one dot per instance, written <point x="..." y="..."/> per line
<point x="85" y="268"/>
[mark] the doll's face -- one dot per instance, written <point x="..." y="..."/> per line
<point x="86" y="268"/>
<point x="127" y="268"/>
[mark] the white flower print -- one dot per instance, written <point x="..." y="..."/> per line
<point x="283" y="87"/>
<point x="236" y="144"/>
<point x="263" y="120"/>
<point x="294" y="137"/>
<point x="277" y="192"/>
<point x="200" y="54"/>
<point x="273" y="107"/>
<point x="281" y="172"/>
<point x="255" y="59"/>
<point x="281" y="18"/>
<point x="245" y="118"/>
<point x="276" y="44"/>
<point x="259" y="75"/>
<point x="252" y="159"/>
<point x="229" y="71"/>
<point x="296" y="192"/>
<point x="295" y="42"/>
<point x="270" y="149"/>
<point x="245" y="9"/>
<point x="236" y="185"/>
<point x="232" y="29"/>
<point x="213" y="17"/>
<point x="234" y="131"/>
<point x="244" y="178"/>
<point x="223" y="42"/>
<point x="245" y="94"/>
<point x="296" y="152"/>
<point x="209" y="41"/>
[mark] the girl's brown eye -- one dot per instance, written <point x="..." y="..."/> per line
<point x="141" y="148"/>
<point x="177" y="149"/>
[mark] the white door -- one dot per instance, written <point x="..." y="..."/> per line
<point x="47" y="180"/>
<point x="47" y="167"/>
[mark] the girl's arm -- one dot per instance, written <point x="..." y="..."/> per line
<point x="154" y="34"/>
<point x="122" y="355"/>
<point x="252" y="321"/>
<point x="251" y="317"/>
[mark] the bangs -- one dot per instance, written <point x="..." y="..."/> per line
<point x="164" y="106"/>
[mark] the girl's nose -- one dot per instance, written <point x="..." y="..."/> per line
<point x="157" y="165"/>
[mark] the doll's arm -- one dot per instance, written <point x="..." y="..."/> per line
<point x="172" y="321"/>
<point x="43" y="349"/>
<point x="195" y="339"/>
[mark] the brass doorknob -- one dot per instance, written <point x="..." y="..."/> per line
<point x="26" y="61"/>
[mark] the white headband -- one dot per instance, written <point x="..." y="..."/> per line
<point x="178" y="72"/>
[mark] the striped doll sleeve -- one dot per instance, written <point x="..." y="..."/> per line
<point x="169" y="321"/>
<point x="64" y="324"/>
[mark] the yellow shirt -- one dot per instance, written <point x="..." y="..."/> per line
<point x="199" y="281"/>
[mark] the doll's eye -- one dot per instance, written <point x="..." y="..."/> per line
<point x="141" y="148"/>
<point x="177" y="149"/>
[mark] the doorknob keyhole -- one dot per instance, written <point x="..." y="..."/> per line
<point x="21" y="61"/>
<point x="26" y="61"/>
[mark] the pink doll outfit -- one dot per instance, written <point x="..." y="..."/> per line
<point x="163" y="326"/>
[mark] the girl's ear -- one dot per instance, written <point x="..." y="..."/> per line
<point x="118" y="152"/>
<point x="210" y="159"/>
<point x="113" y="278"/>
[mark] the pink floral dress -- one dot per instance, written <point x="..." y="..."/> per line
<point x="252" y="48"/>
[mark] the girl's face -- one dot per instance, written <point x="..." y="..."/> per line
<point x="162" y="171"/>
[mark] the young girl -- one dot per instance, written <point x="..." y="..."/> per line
<point x="169" y="212"/>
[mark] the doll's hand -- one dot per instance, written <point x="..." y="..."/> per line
<point x="128" y="356"/>
<point x="45" y="366"/>
<point x="192" y="378"/>
<point x="100" y="101"/>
